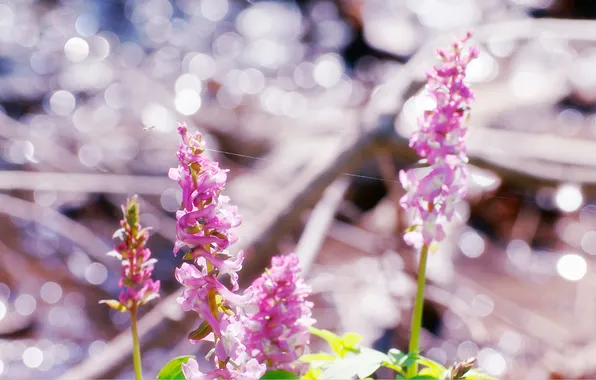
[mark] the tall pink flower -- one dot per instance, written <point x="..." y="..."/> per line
<point x="277" y="322"/>
<point x="432" y="192"/>
<point x="204" y="229"/>
<point x="137" y="287"/>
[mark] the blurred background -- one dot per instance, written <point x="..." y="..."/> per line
<point x="310" y="105"/>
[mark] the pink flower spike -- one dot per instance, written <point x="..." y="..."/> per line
<point x="137" y="287"/>
<point x="440" y="139"/>
<point x="277" y="330"/>
<point x="204" y="226"/>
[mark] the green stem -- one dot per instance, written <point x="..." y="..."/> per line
<point x="418" y="306"/>
<point x="136" y="349"/>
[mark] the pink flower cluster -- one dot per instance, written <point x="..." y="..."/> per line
<point x="204" y="227"/>
<point x="432" y="192"/>
<point x="277" y="326"/>
<point x="137" y="265"/>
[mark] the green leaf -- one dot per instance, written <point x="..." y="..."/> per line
<point x="401" y="359"/>
<point x="173" y="369"/>
<point x="116" y="305"/>
<point x="320" y="357"/>
<point x="423" y="377"/>
<point x="363" y="364"/>
<point x="350" y="339"/>
<point x="430" y="372"/>
<point x="279" y="375"/>
<point x="334" y="341"/>
<point x="201" y="332"/>
<point x="434" y="369"/>
<point x="312" y="374"/>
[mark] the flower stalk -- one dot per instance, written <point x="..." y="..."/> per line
<point x="136" y="345"/>
<point x="418" y="309"/>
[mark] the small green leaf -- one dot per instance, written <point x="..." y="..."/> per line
<point x="433" y="368"/>
<point x="201" y="332"/>
<point x="173" y="369"/>
<point x="350" y="339"/>
<point x="333" y="340"/>
<point x="320" y="357"/>
<point x="363" y="364"/>
<point x="423" y="377"/>
<point x="279" y="375"/>
<point x="312" y="374"/>
<point x="116" y="305"/>
<point x="401" y="359"/>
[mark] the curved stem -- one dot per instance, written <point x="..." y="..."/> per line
<point x="136" y="353"/>
<point x="418" y="307"/>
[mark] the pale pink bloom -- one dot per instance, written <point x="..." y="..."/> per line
<point x="431" y="193"/>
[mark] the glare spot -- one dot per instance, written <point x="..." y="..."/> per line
<point x="4" y="291"/>
<point x="187" y="102"/>
<point x="115" y="95"/>
<point x="96" y="273"/>
<point x="482" y="305"/>
<point x="528" y="83"/>
<point x="254" y="22"/>
<point x="492" y="362"/>
<point x="484" y="179"/>
<point x="588" y="242"/>
<point x="32" y="357"/>
<point x="170" y="199"/>
<point x="62" y="102"/>
<point x="25" y="304"/>
<point x="294" y="104"/>
<point x="267" y="53"/>
<point x="76" y="49"/>
<point x="97" y="347"/>
<point x="251" y="81"/>
<point x="90" y="155"/>
<point x="2" y="310"/>
<point x="328" y="70"/>
<point x="572" y="267"/>
<point x="569" y="198"/>
<point x="86" y="25"/>
<point x="202" y="65"/>
<point x="467" y="350"/>
<point x="51" y="292"/>
<point x="482" y="69"/>
<point x="214" y="10"/>
<point x="188" y="82"/>
<point x="471" y="244"/>
<point x="510" y="342"/>
<point x="519" y="252"/>
<point x="77" y="263"/>
<point x="1" y="367"/>
<point x="158" y="115"/>
<point x="20" y="151"/>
